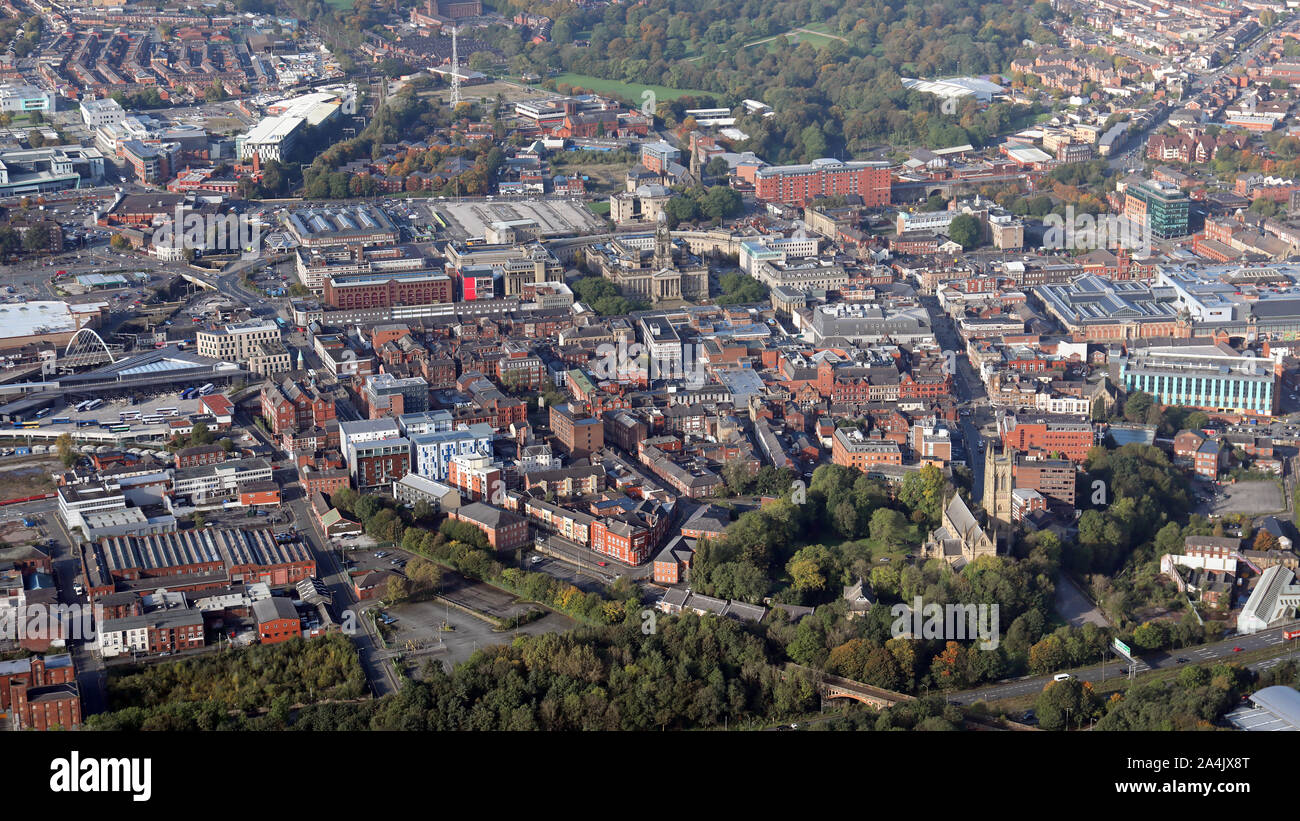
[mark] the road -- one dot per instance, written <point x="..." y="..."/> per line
<point x="970" y="392"/>
<point x="349" y="610"/>
<point x="92" y="676"/>
<point x="1271" y="638"/>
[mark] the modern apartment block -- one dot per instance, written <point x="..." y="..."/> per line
<point x="380" y="462"/>
<point x="433" y="452"/>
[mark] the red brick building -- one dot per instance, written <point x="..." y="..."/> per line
<point x="381" y="462"/>
<point x="43" y="708"/>
<point x="1071" y="439"/>
<point x="801" y="184"/>
<point x="385" y="291"/>
<point x="200" y="455"/>
<point x="277" y="620"/>
<point x="320" y="476"/>
<point x="294" y="405"/>
<point x="851" y="448"/>
<point x="577" y="433"/>
<point x="504" y="530"/>
<point x="34" y="671"/>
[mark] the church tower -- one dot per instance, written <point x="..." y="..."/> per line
<point x="998" y="482"/>
<point x="663" y="244"/>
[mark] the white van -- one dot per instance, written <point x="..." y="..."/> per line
<point x="1062" y="677"/>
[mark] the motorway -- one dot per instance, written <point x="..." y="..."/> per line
<point x="1221" y="650"/>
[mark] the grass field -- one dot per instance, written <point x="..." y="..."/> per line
<point x="817" y="40"/>
<point x="628" y="91"/>
<point x="341" y="4"/>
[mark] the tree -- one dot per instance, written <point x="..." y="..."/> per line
<point x="423" y="511"/>
<point x="67" y="452"/>
<point x="808" y="568"/>
<point x="398" y="590"/>
<point x="1265" y="540"/>
<point x="1136" y="406"/>
<point x="964" y="229"/>
<point x="365" y="508"/>
<point x="119" y="242"/>
<point x="201" y="435"/>
<point x="35" y="240"/>
<point x="889" y="528"/>
<point x="716" y="167"/>
<point x="424" y="574"/>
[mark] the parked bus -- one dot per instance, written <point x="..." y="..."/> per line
<point x="164" y="412"/>
<point x="31" y="424"/>
<point x="62" y="420"/>
<point x="81" y="406"/>
<point x="188" y="393"/>
<point x="1291" y="634"/>
<point x="119" y="428"/>
<point x="207" y="389"/>
<point x="44" y="412"/>
<point x="125" y="415"/>
<point x="94" y="403"/>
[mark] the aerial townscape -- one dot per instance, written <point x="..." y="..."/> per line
<point x="650" y="365"/>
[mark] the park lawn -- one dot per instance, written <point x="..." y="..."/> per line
<point x="795" y="38"/>
<point x="600" y="208"/>
<point x="628" y="91"/>
<point x="341" y="4"/>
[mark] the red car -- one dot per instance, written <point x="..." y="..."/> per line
<point x="602" y="564"/>
<point x="1236" y="649"/>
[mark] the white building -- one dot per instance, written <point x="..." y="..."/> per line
<point x="22" y="97"/>
<point x="207" y="483"/>
<point x="432" y="452"/>
<point x="361" y="431"/>
<point x="776" y="249"/>
<point x="1272" y="602"/>
<point x="273" y="138"/>
<point x="96" y="113"/>
<point x="76" y="502"/>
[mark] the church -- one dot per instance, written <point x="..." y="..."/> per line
<point x="959" y="539"/>
<point x="652" y="267"/>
